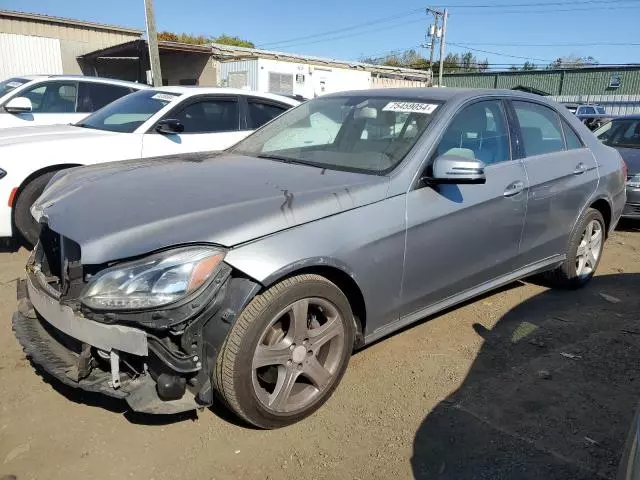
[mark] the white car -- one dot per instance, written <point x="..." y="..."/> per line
<point x="148" y="123"/>
<point x="55" y="99"/>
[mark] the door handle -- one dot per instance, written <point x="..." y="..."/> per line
<point x="580" y="169"/>
<point x="514" y="188"/>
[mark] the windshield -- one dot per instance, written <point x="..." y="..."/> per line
<point x="10" y="84"/>
<point x="620" y="133"/>
<point x="367" y="134"/>
<point x="129" y="112"/>
<point x="601" y="110"/>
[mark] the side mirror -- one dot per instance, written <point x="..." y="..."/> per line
<point x="169" y="126"/>
<point x="450" y="168"/>
<point x="19" y="105"/>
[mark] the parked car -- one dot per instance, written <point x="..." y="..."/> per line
<point x="148" y="123"/>
<point x="255" y="272"/>
<point x="623" y="134"/>
<point x="593" y="116"/>
<point x="56" y="99"/>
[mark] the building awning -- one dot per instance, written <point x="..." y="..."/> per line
<point x="137" y="48"/>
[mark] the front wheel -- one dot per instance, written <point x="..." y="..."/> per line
<point x="287" y="352"/>
<point x="26" y="225"/>
<point x="583" y="253"/>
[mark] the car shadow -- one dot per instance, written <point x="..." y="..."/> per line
<point x="550" y="395"/>
<point x="628" y="225"/>
<point x="10" y="245"/>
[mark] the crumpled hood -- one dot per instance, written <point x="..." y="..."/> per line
<point x="46" y="133"/>
<point x="122" y="209"/>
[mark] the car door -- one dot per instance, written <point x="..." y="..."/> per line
<point x="461" y="236"/>
<point x="562" y="177"/>
<point x="210" y="123"/>
<point x="53" y="102"/>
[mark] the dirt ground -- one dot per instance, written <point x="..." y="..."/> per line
<point x="523" y="383"/>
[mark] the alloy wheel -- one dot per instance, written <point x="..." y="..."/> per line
<point x="298" y="355"/>
<point x="589" y="249"/>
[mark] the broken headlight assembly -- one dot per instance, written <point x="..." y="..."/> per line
<point x="154" y="281"/>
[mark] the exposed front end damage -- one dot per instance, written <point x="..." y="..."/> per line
<point x="159" y="360"/>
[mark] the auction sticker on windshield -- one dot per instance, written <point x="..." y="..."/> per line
<point x="166" y="97"/>
<point x="410" y="107"/>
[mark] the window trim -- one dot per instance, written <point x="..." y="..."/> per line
<point x="187" y="102"/>
<point x="45" y="82"/>
<point x="267" y="101"/>
<point x="517" y="126"/>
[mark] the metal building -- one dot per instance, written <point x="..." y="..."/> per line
<point x="308" y="76"/>
<point x="617" y="88"/>
<point x="41" y="44"/>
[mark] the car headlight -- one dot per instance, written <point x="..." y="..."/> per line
<point x="634" y="181"/>
<point x="153" y="281"/>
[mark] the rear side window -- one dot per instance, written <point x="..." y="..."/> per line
<point x="261" y="113"/>
<point x="210" y="116"/>
<point x="570" y="137"/>
<point x="94" y="96"/>
<point x="540" y="128"/>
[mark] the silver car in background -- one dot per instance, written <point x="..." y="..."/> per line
<point x="252" y="275"/>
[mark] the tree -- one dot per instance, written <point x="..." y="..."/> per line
<point x="203" y="39"/>
<point x="572" y="61"/>
<point x="529" y="66"/>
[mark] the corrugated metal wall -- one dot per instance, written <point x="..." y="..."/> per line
<point x="74" y="40"/>
<point x="248" y="66"/>
<point x="589" y="81"/>
<point x="613" y="104"/>
<point x="549" y="83"/>
<point x="383" y="82"/>
<point x="24" y="55"/>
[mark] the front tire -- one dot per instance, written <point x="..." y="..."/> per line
<point x="583" y="253"/>
<point x="287" y="352"/>
<point x="25" y="224"/>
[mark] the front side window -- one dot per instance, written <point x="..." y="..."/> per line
<point x="623" y="133"/>
<point x="367" y="134"/>
<point x="52" y="97"/>
<point x="540" y="128"/>
<point x="94" y="96"/>
<point x="261" y="113"/>
<point x="11" y="84"/>
<point x="126" y="114"/>
<point x="478" y="132"/>
<point x="601" y="110"/>
<point x="209" y="116"/>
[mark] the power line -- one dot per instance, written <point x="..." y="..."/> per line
<point x="598" y="44"/>
<point x="548" y="11"/>
<point x="498" y="53"/>
<point x="351" y="27"/>
<point x="539" y="4"/>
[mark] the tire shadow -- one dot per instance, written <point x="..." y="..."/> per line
<point x="550" y="395"/>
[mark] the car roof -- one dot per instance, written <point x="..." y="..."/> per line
<point x="443" y="94"/>
<point x="193" y="90"/>
<point x="110" y="81"/>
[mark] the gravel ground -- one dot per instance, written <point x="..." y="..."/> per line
<point x="524" y="383"/>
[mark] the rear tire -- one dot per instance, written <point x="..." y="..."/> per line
<point x="287" y="352"/>
<point x="583" y="253"/>
<point x="25" y="224"/>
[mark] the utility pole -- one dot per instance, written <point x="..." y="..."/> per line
<point x="442" y="45"/>
<point x="152" y="39"/>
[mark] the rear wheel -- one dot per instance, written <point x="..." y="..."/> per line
<point x="287" y="352"/>
<point x="583" y="253"/>
<point x="27" y="227"/>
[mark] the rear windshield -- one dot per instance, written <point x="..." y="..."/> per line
<point x="620" y="133"/>
<point x="358" y="133"/>
<point x="126" y="114"/>
<point x="11" y="84"/>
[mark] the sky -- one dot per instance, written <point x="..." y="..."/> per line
<point x="505" y="32"/>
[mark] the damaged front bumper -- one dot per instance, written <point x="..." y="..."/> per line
<point x="66" y="345"/>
